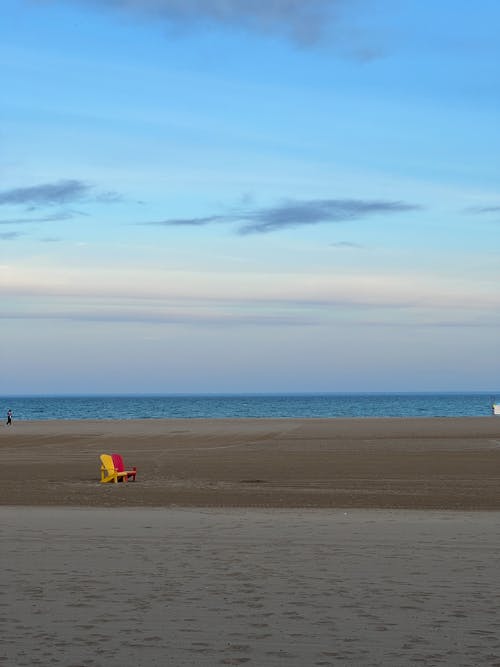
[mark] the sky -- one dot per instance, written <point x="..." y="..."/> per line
<point x="218" y="196"/>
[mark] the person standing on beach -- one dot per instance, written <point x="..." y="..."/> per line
<point x="9" y="417"/>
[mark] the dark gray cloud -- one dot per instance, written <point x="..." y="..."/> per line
<point x="61" y="193"/>
<point x="303" y="21"/>
<point x="295" y="214"/>
<point x="291" y="214"/>
<point x="46" y="194"/>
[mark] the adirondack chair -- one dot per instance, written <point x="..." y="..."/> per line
<point x="109" y="473"/>
<point x="120" y="467"/>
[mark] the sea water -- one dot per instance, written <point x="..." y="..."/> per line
<point x="250" y="406"/>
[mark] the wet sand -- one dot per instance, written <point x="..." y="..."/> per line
<point x="92" y="587"/>
<point x="322" y="463"/>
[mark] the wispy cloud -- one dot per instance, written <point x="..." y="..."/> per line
<point x="54" y="194"/>
<point x="10" y="236"/>
<point x="56" y="217"/>
<point x="46" y="194"/>
<point x="290" y="214"/>
<point x="144" y="316"/>
<point x="192" y="222"/>
<point x="302" y="21"/>
<point x="295" y="214"/>
<point x="50" y="239"/>
<point x="109" y="197"/>
<point x="483" y="209"/>
<point x="169" y="291"/>
<point x="345" y="244"/>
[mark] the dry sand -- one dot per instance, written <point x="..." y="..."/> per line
<point x="345" y="463"/>
<point x="204" y="587"/>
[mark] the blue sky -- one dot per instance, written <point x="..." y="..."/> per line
<point x="251" y="195"/>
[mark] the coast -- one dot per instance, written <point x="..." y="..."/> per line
<point x="382" y="463"/>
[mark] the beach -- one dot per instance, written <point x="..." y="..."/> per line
<point x="449" y="463"/>
<point x="259" y="542"/>
<point x="190" y="586"/>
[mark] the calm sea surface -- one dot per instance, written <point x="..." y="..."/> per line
<point x="273" y="405"/>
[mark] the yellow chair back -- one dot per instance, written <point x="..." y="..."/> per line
<point x="107" y="463"/>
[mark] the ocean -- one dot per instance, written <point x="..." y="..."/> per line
<point x="250" y="406"/>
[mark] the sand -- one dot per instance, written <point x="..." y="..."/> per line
<point x="259" y="542"/>
<point x="323" y="463"/>
<point x="187" y="587"/>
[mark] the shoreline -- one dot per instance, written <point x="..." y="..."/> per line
<point x="420" y="463"/>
